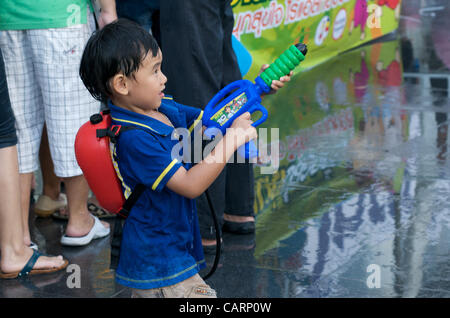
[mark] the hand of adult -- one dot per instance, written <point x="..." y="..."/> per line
<point x="108" y="12"/>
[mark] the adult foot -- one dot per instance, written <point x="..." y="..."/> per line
<point x="206" y="242"/>
<point x="98" y="230"/>
<point x="15" y="262"/>
<point x="238" y="224"/>
<point x="209" y="246"/>
<point x="46" y="205"/>
<point x="238" y="218"/>
<point x="83" y="226"/>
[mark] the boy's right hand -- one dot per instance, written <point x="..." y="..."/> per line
<point x="242" y="130"/>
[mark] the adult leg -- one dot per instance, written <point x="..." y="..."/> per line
<point x="195" y="27"/>
<point x="80" y="221"/>
<point x="239" y="179"/>
<point x="25" y="188"/>
<point x="15" y="253"/>
<point x="240" y="194"/>
<point x="68" y="105"/>
<point x="51" y="199"/>
<point x="51" y="183"/>
<point x="26" y="103"/>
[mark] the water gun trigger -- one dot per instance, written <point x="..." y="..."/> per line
<point x="263" y="110"/>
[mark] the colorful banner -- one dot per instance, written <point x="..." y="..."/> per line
<point x="265" y="28"/>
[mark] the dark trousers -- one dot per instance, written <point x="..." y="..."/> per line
<point x="8" y="135"/>
<point x="198" y="60"/>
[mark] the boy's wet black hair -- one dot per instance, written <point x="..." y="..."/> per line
<point x="119" y="47"/>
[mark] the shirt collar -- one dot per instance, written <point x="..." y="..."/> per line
<point x="124" y="117"/>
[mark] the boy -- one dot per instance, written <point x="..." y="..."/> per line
<point x="161" y="251"/>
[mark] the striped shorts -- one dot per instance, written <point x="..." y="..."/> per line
<point x="44" y="86"/>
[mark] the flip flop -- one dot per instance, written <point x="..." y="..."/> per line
<point x="46" y="206"/>
<point x="93" y="209"/>
<point x="97" y="231"/>
<point x="60" y="216"/>
<point x="99" y="211"/>
<point x="28" y="268"/>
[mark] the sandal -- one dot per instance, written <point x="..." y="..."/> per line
<point x="239" y="227"/>
<point x="28" y="268"/>
<point x="33" y="246"/>
<point x="99" y="211"/>
<point x="98" y="230"/>
<point x="93" y="209"/>
<point x="45" y="206"/>
<point x="60" y="215"/>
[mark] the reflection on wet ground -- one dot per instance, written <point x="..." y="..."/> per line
<point x="358" y="205"/>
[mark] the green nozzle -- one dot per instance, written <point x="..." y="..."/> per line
<point x="285" y="63"/>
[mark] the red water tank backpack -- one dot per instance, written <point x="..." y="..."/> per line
<point x="93" y="153"/>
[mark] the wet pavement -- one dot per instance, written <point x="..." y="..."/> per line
<point x="358" y="205"/>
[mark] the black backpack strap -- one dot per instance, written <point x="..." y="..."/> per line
<point x="119" y="222"/>
<point x="113" y="133"/>
<point x="132" y="199"/>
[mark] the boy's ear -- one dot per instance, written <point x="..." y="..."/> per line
<point x="119" y="84"/>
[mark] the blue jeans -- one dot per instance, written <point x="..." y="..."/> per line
<point x="8" y="135"/>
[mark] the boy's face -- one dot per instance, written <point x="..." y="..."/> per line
<point x="146" y="89"/>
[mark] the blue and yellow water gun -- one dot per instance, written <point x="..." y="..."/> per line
<point x="244" y="96"/>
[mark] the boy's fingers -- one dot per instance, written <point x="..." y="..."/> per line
<point x="252" y="133"/>
<point x="263" y="68"/>
<point x="277" y="85"/>
<point x="246" y="115"/>
<point x="255" y="133"/>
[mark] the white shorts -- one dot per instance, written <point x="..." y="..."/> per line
<point x="44" y="86"/>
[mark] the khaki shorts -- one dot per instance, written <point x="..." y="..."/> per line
<point x="193" y="287"/>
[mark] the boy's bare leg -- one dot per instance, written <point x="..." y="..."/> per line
<point x="80" y="220"/>
<point x="15" y="252"/>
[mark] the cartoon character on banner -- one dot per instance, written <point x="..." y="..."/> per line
<point x="360" y="16"/>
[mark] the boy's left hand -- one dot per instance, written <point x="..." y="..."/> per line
<point x="276" y="85"/>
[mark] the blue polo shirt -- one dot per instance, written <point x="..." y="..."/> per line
<point x="161" y="243"/>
